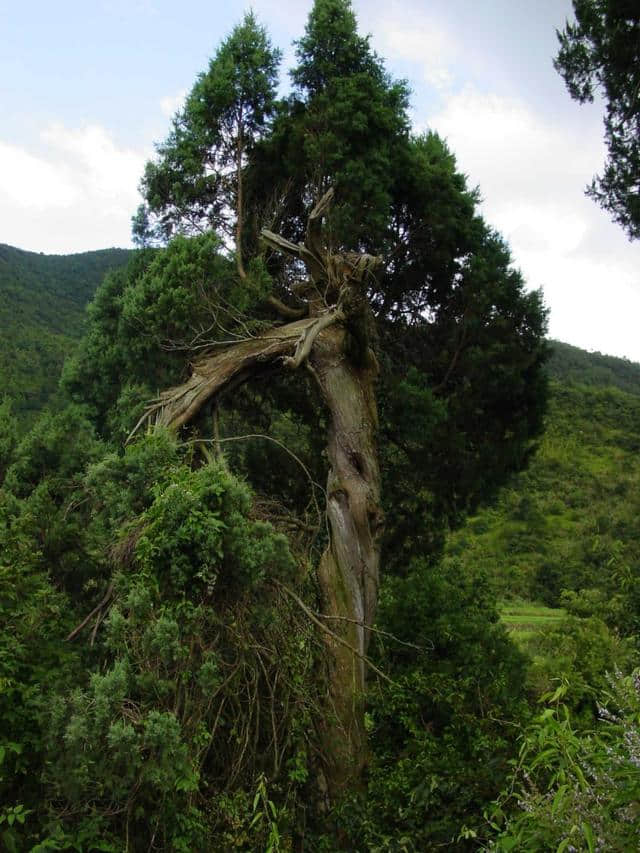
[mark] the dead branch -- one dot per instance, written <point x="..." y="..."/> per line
<point x="309" y="335"/>
<point x="212" y="373"/>
<point x="374" y="630"/>
<point x="313" y="239"/>
<point x="331" y="633"/>
<point x="311" y="252"/>
<point x="285" y="310"/>
<point x="97" y="609"/>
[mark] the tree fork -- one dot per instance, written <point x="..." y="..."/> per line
<point x="348" y="572"/>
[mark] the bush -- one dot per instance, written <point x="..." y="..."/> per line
<point x="576" y="791"/>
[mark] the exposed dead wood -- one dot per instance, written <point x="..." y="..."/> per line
<point x="285" y="310"/>
<point x="333" y="341"/>
<point x="214" y="372"/>
<point x="96" y="610"/>
<point x="309" y="335"/>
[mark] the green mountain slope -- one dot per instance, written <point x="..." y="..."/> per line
<point x="573" y="366"/>
<point x="566" y="532"/>
<point x="42" y="302"/>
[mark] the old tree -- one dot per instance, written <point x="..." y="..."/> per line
<point x="405" y="278"/>
<point x="333" y="341"/>
<point x="404" y="273"/>
<point x="318" y="304"/>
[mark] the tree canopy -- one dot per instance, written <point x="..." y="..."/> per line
<point x="195" y="184"/>
<point x="600" y="54"/>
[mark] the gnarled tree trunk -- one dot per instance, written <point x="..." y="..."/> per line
<point x="349" y="568"/>
<point x="332" y="342"/>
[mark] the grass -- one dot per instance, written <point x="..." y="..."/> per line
<point x="524" y="619"/>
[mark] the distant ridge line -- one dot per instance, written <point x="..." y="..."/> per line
<point x="571" y="365"/>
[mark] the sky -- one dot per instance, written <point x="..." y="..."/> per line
<point x="87" y="88"/>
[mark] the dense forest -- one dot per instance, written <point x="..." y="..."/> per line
<point x="321" y="545"/>
<point x="41" y="313"/>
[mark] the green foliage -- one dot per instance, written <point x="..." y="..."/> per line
<point x="145" y="317"/>
<point x="196" y="533"/>
<point x="473" y="380"/>
<point x="8" y="436"/>
<point x="42" y="509"/>
<point x="120" y="484"/>
<point x="441" y="735"/>
<point x="582" y="651"/>
<point x="346" y="124"/>
<point x="34" y="617"/>
<point x="572" y="366"/>
<point x="566" y="531"/>
<point x="186" y="298"/>
<point x="41" y="317"/>
<point x="195" y="183"/>
<point x="192" y="642"/>
<point x="45" y="454"/>
<point x="575" y="791"/>
<point x="200" y="676"/>
<point x="600" y="52"/>
<point x="95" y="374"/>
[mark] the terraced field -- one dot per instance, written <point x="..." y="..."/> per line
<point x="524" y="619"/>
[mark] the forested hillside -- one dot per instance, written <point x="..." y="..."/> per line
<point x="42" y="308"/>
<point x="560" y="549"/>
<point x="568" y="528"/>
<point x="573" y="366"/>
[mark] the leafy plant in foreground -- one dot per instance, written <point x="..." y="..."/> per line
<point x="576" y="791"/>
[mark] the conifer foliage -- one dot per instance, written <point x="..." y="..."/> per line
<point x="195" y="184"/>
<point x="600" y="55"/>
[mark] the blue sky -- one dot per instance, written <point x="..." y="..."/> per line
<point x="87" y="88"/>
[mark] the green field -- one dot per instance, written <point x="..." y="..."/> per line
<point x="524" y="619"/>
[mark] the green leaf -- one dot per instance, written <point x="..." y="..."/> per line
<point x="558" y="798"/>
<point x="588" y="835"/>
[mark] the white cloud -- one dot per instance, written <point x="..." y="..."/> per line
<point x="77" y="192"/>
<point x="418" y="38"/>
<point x="101" y="168"/>
<point x="594" y="305"/>
<point x="32" y="183"/>
<point x="170" y="104"/>
<point x="515" y="153"/>
<point x="532" y="175"/>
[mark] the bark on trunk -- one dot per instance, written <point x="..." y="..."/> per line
<point x="349" y="568"/>
<point x="333" y="341"/>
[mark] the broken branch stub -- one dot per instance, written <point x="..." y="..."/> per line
<point x="333" y="341"/>
<point x="214" y="372"/>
